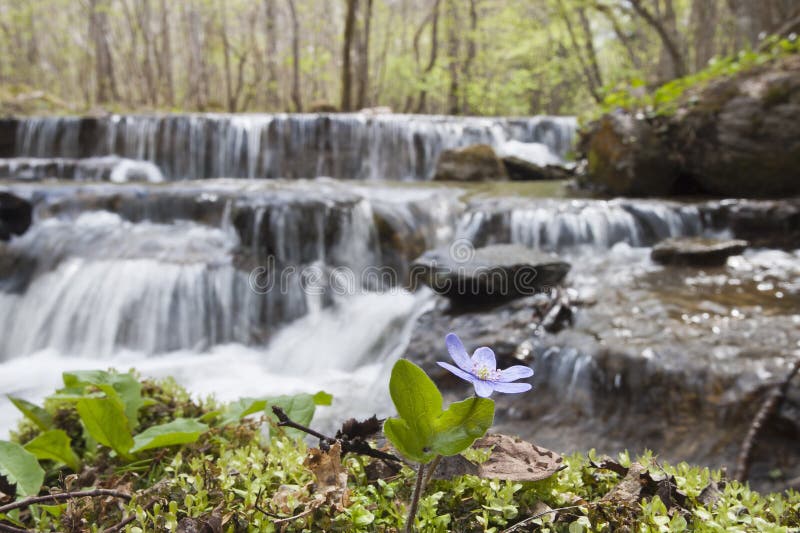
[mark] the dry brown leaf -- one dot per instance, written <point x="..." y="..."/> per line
<point x="513" y="459"/>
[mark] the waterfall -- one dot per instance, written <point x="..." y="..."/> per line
<point x="559" y="224"/>
<point x="342" y="146"/>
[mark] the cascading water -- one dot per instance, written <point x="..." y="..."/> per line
<point x="345" y="146"/>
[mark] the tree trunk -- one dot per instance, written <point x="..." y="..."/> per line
<point x="349" y="25"/>
<point x="104" y="63"/>
<point x="590" y="50"/>
<point x="670" y="45"/>
<point x="271" y="54"/>
<point x="434" y="17"/>
<point x="453" y="53"/>
<point x="471" y="52"/>
<point x="609" y="14"/>
<point x="591" y="83"/>
<point x="165" y="58"/>
<point x="363" y="77"/>
<point x="296" y="99"/>
<point x="703" y="21"/>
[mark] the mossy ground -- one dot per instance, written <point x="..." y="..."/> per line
<point x="237" y="478"/>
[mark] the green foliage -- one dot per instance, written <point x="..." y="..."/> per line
<point x="34" y="413"/>
<point x="179" y="431"/>
<point x="234" y="473"/>
<point x="20" y="467"/>
<point x="423" y="430"/>
<point x="667" y="98"/>
<point x="104" y="419"/>
<point x="54" y="445"/>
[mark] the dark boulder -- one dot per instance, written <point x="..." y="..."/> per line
<point x="15" y="215"/>
<point x="627" y="157"/>
<point x="477" y="162"/>
<point x="522" y="170"/>
<point x="8" y="136"/>
<point x="696" y="251"/>
<point x="488" y="275"/>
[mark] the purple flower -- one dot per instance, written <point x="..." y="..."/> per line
<point x="481" y="369"/>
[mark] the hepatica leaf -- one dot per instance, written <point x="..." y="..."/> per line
<point x="106" y="422"/>
<point x="423" y="430"/>
<point x="235" y="411"/>
<point x="463" y="422"/>
<point x="299" y="407"/>
<point x="20" y="467"/>
<point x="179" y="431"/>
<point x="55" y="446"/>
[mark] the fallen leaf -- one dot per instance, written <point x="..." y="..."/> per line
<point x="513" y="459"/>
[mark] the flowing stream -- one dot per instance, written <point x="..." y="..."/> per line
<point x="145" y="253"/>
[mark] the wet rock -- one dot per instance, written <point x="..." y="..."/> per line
<point x="763" y="223"/>
<point x="478" y="162"/>
<point x="627" y="157"/>
<point x="8" y="136"/>
<point x="15" y="215"/>
<point x="696" y="251"/>
<point x="522" y="170"/>
<point x="490" y="274"/>
<point x="322" y="107"/>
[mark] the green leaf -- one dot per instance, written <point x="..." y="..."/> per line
<point x="33" y="412"/>
<point x="20" y="467"/>
<point x="106" y="422"/>
<point x="423" y="430"/>
<point x="299" y="407"/>
<point x="239" y="409"/>
<point x="323" y="398"/>
<point x="54" y="445"/>
<point x="124" y="386"/>
<point x="457" y="428"/>
<point x="179" y="431"/>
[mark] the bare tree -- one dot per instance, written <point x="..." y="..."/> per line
<point x="296" y="98"/>
<point x="671" y="47"/>
<point x="347" y="45"/>
<point x="104" y="64"/>
<point x="363" y="61"/>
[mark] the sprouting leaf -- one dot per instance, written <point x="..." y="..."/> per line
<point x="20" y="467"/>
<point x="323" y="398"/>
<point x="54" y="445"/>
<point x="235" y="411"/>
<point x="126" y="387"/>
<point x="106" y="422"/>
<point x="179" y="431"/>
<point x="33" y="412"/>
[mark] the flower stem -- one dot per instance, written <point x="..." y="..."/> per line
<point x="412" y="512"/>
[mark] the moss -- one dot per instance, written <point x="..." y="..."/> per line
<point x="240" y="480"/>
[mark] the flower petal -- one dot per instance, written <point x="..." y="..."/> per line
<point x="458" y="372"/>
<point x="514" y="373"/>
<point x="483" y="389"/>
<point x="458" y="352"/>
<point x="484" y="357"/>
<point x="512" y="388"/>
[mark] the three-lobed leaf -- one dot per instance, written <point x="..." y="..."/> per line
<point x="299" y="407"/>
<point x="178" y="431"/>
<point x="423" y="430"/>
<point x="20" y="467"/>
<point x="55" y="446"/>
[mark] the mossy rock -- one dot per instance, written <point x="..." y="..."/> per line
<point x="477" y="162"/>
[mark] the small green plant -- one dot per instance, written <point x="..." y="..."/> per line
<point x="424" y="430"/>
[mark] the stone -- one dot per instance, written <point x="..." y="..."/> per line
<point x="16" y="215"/>
<point x="521" y="170"/>
<point x="492" y="274"/>
<point x="477" y="162"/>
<point x="696" y="251"/>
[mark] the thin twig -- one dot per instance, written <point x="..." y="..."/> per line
<point x="21" y="504"/>
<point x="348" y="446"/>
<point x="539" y="515"/>
<point x="295" y="517"/>
<point x="767" y="410"/>
<point x="5" y="528"/>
